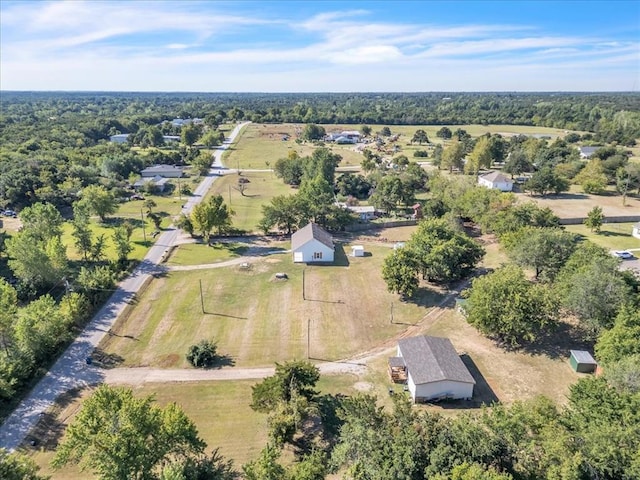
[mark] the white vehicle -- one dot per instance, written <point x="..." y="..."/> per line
<point x="623" y="254"/>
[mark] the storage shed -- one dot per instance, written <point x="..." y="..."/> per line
<point x="357" y="251"/>
<point x="582" y="362"/>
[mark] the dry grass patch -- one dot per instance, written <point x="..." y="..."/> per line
<point x="258" y="320"/>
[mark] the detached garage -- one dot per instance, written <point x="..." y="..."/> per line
<point x="434" y="369"/>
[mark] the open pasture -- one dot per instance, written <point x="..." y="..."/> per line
<point x="258" y="320"/>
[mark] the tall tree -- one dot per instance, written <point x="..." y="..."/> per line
<point x="42" y="220"/>
<point x="453" y="156"/>
<point x="505" y="305"/>
<point x="595" y="219"/>
<point x="420" y="137"/>
<point x="480" y="156"/>
<point x="98" y="200"/>
<point x="121" y="437"/>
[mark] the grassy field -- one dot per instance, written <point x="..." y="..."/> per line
<point x="247" y="208"/>
<point x="576" y="203"/>
<point x="613" y="236"/>
<point x="199" y="253"/>
<point x="258" y="320"/>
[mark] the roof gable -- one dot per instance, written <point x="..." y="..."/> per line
<point x="494" y="177"/>
<point x="433" y="359"/>
<point x="310" y="232"/>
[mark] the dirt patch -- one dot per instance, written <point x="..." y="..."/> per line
<point x="168" y="361"/>
<point x="273" y="260"/>
<point x="576" y="204"/>
<point x="363" y="386"/>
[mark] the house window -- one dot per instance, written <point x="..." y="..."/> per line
<point x="317" y="255"/>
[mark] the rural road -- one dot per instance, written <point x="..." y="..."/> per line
<point x="70" y="370"/>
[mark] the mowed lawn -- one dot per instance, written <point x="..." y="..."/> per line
<point x="247" y="208"/>
<point x="258" y="320"/>
<point x="612" y="236"/>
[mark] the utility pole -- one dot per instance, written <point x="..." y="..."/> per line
<point x="144" y="234"/>
<point x="229" y="194"/>
<point x="201" y="297"/>
<point x="303" y="296"/>
<point x="391" y="312"/>
<point x="308" y="338"/>
<point x="179" y="190"/>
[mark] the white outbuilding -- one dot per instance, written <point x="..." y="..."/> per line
<point x="434" y="370"/>
<point x="496" y="180"/>
<point x="357" y="251"/>
<point x="312" y="244"/>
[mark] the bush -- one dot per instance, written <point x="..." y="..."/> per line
<point x="421" y="154"/>
<point x="203" y="354"/>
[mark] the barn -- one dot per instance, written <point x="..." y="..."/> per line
<point x="582" y="362"/>
<point x="434" y="370"/>
<point x="312" y="244"/>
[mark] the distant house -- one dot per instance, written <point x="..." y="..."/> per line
<point x="433" y="369"/>
<point x="180" y="122"/>
<point x="167" y="171"/>
<point x="496" y="180"/>
<point x="119" y="138"/>
<point x="365" y="213"/>
<point x="587" y="152"/>
<point x="158" y="182"/>
<point x="171" y="138"/>
<point x="582" y="362"/>
<point x="346" y="136"/>
<point x="636" y="230"/>
<point x="312" y="244"/>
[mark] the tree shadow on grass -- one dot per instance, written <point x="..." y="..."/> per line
<point x="51" y="425"/>
<point x="102" y="359"/>
<point x="558" y="343"/>
<point x="483" y="394"/>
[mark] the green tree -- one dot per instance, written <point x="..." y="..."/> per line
<point x="545" y="181"/>
<point x="505" y="305"/>
<point x="203" y="354"/>
<point x="184" y="223"/>
<point x="8" y="310"/>
<point x="42" y="220"/>
<point x="212" y="138"/>
<point x="98" y="200"/>
<point x="544" y="249"/>
<point x="365" y="130"/>
<point x="453" y="156"/>
<point x="189" y="134"/>
<point x="121" y="437"/>
<point x="311" y="132"/>
<point x="385" y="132"/>
<point x="444" y="133"/>
<point x="16" y="466"/>
<point x="29" y="261"/>
<point x="266" y="466"/>
<point x="286" y="212"/>
<point x="291" y="378"/>
<point x="480" y="156"/>
<point x="211" y="214"/>
<point x="518" y="163"/>
<point x="420" y="137"/>
<point x="399" y="272"/>
<point x="389" y="192"/>
<point x="122" y="244"/>
<point x="82" y="235"/>
<point x="622" y="340"/>
<point x="592" y="177"/>
<point x="201" y="163"/>
<point x="595" y="219"/>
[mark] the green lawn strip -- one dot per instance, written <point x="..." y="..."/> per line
<point x="247" y="208"/>
<point x="199" y="253"/>
<point x="258" y="320"/>
<point x="612" y="236"/>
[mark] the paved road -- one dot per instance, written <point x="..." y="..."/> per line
<point x="70" y="370"/>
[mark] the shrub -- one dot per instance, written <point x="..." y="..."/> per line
<point x="421" y="154"/>
<point x="202" y="354"/>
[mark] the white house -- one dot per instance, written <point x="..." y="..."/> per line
<point x="167" y="171"/>
<point x="636" y="230"/>
<point x="496" y="180"/>
<point x="365" y="213"/>
<point x="119" y="138"/>
<point x="312" y="244"/>
<point x="158" y="182"/>
<point x="587" y="152"/>
<point x="433" y="368"/>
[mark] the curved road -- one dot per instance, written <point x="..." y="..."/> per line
<point x="70" y="370"/>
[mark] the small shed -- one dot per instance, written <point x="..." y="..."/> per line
<point x="357" y="251"/>
<point x="636" y="230"/>
<point x="582" y="361"/>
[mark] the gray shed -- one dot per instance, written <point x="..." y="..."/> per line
<point x="582" y="362"/>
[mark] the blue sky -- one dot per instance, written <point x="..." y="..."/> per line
<point x="313" y="46"/>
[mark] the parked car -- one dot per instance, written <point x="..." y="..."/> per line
<point x="623" y="254"/>
<point x="9" y="213"/>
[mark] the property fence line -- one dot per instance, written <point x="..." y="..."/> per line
<point x="607" y="219"/>
<point x="356" y="227"/>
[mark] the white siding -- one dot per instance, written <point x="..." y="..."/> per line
<point x="636" y="232"/>
<point x="448" y="388"/>
<point x="313" y="251"/>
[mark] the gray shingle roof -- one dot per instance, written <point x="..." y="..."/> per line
<point x="433" y="359"/>
<point x="496" y="177"/>
<point x="309" y="232"/>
